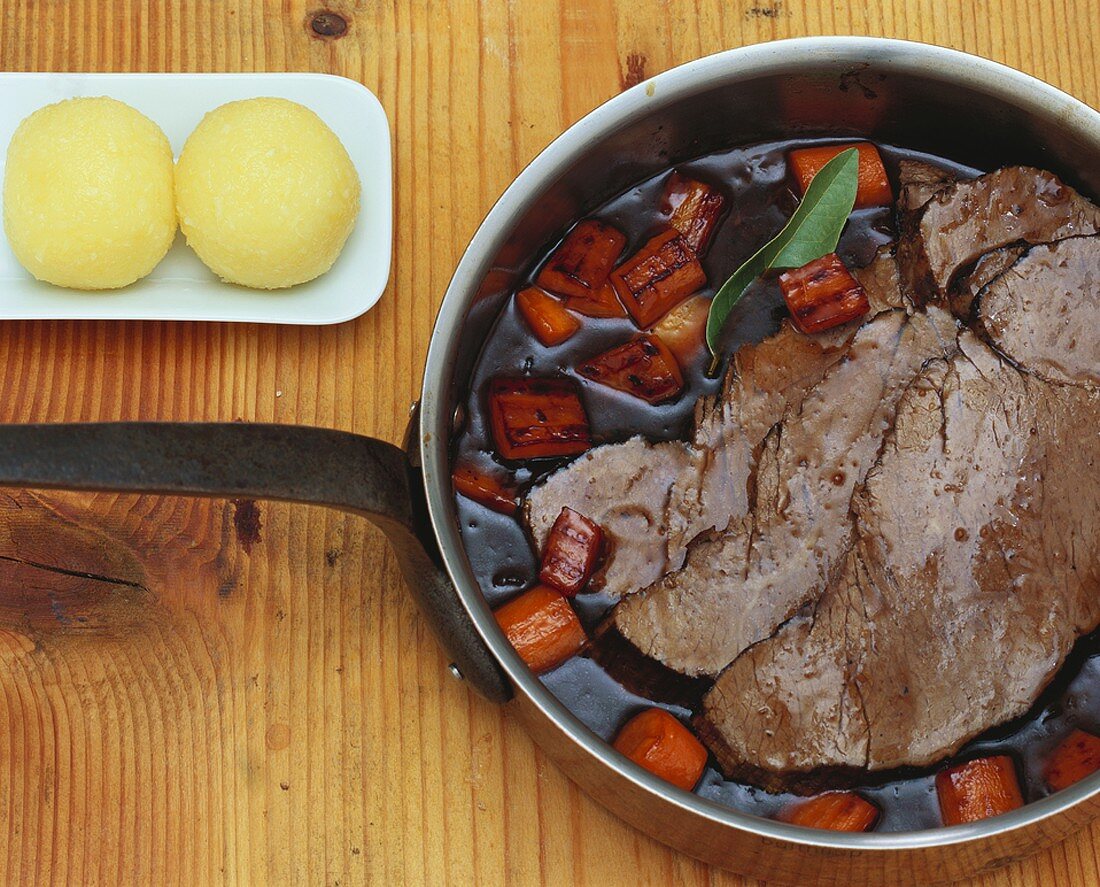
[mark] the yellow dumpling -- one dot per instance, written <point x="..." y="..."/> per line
<point x="88" y="200"/>
<point x="266" y="193"/>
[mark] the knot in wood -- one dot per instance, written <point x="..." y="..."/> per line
<point x="328" y="24"/>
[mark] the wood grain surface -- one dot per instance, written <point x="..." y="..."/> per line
<point x="185" y="699"/>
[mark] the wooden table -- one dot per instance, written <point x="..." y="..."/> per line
<point x="186" y="700"/>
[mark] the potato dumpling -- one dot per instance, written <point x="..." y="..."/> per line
<point x="88" y="199"/>
<point x="266" y="193"/>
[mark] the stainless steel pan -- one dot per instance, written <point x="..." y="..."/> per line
<point x="910" y="94"/>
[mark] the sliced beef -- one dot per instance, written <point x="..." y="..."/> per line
<point x="920" y="182"/>
<point x="652" y="499"/>
<point x="626" y="488"/>
<point x="966" y="288"/>
<point x="974" y="568"/>
<point x="961" y="221"/>
<point x="880" y="281"/>
<point x="767" y="381"/>
<point x="737" y="585"/>
<point x="1042" y="311"/>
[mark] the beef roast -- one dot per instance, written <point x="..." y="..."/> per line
<point x="975" y="563"/>
<point x="1043" y="311"/>
<point x="975" y="566"/>
<point x="736" y="586"/>
<point x="960" y="221"/>
<point x="652" y="499"/>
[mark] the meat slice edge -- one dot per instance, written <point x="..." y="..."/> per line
<point x="920" y="182"/>
<point x="965" y="290"/>
<point x="880" y="280"/>
<point x="961" y="221"/>
<point x="1042" y="311"/>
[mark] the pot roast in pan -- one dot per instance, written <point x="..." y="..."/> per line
<point x="875" y="541"/>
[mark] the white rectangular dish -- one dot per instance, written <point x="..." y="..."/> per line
<point x="181" y="287"/>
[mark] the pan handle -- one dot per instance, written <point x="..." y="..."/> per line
<point x="283" y="462"/>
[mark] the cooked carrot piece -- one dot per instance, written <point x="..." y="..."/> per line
<point x="481" y="486"/>
<point x="978" y="789"/>
<point x="684" y="328"/>
<point x="658" y="277"/>
<point x="542" y="627"/>
<point x="822" y="294"/>
<point x="836" y="811"/>
<point x="643" y="367"/>
<point x="537" y="418"/>
<point x="1077" y="756"/>
<point x="571" y="552"/>
<point x="581" y="264"/>
<point x="665" y="747"/>
<point x="694" y="208"/>
<point x="546" y="316"/>
<point x="599" y="303"/>
<point x="874" y="187"/>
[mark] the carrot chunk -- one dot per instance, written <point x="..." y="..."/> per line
<point x="599" y="303"/>
<point x="1077" y="756"/>
<point x="546" y="316"/>
<point x="822" y="294"/>
<point x="658" y="277"/>
<point x="836" y="811"/>
<point x="874" y="187"/>
<point x="693" y="208"/>
<point x="684" y="328"/>
<point x="571" y="552"/>
<point x="579" y="267"/>
<point x="481" y="486"/>
<point x="978" y="789"/>
<point x="643" y="367"/>
<point x="542" y="627"/>
<point x="657" y="741"/>
<point x="537" y="418"/>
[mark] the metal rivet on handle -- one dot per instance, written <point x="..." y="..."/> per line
<point x="455" y="673"/>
